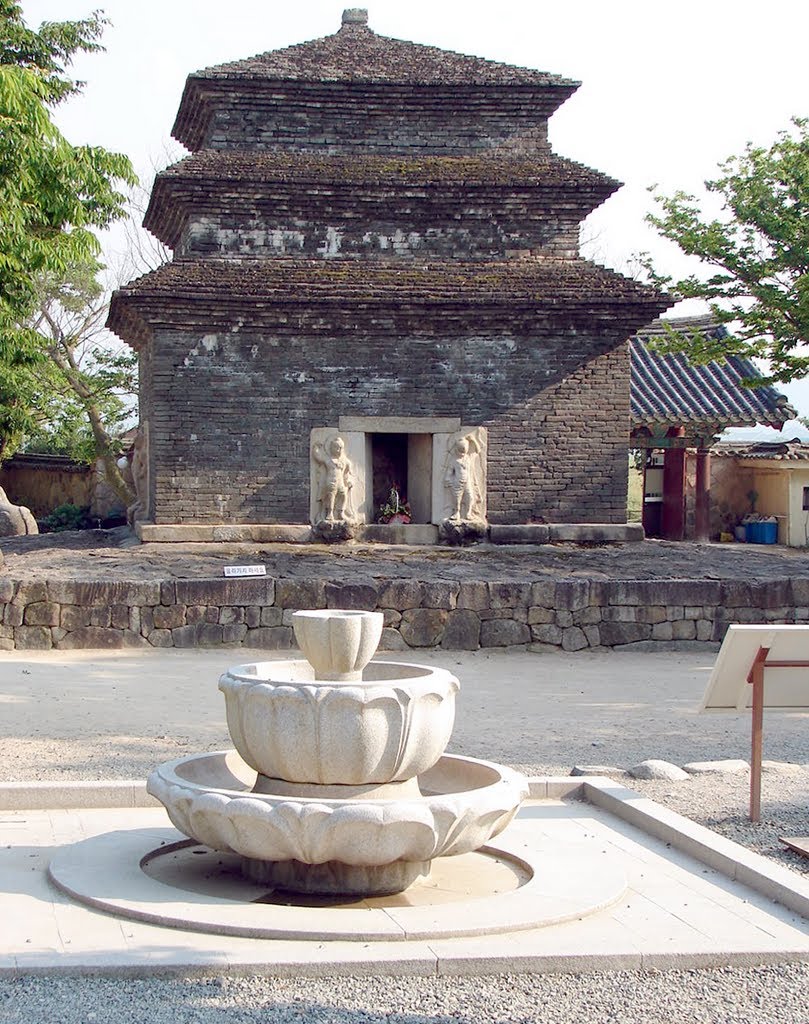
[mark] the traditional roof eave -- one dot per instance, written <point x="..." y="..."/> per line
<point x="667" y="390"/>
<point x="252" y="289"/>
<point x="231" y="177"/>
<point x="356" y="59"/>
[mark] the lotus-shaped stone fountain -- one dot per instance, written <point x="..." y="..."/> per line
<point x="353" y="792"/>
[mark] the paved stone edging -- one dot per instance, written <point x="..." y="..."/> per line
<point x="567" y="614"/>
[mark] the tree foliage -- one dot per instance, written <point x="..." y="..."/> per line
<point x="755" y="256"/>
<point x="52" y="196"/>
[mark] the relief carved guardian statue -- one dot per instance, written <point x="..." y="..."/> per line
<point x="335" y="480"/>
<point x="464" y="482"/>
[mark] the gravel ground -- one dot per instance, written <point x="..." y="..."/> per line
<point x="758" y="995"/>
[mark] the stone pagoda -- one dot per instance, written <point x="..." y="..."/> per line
<point x="376" y="310"/>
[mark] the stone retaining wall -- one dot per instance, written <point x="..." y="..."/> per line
<point x="567" y="614"/>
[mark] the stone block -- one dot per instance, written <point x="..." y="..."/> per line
<point x="537" y="615"/>
<point x="160" y="638"/>
<point x="675" y="612"/>
<point x="352" y="596"/>
<point x="620" y="613"/>
<point x="194" y="614"/>
<point x="593" y="635"/>
<point x="104" y="593"/>
<point x="704" y="629"/>
<point x="399" y="594"/>
<point x="57" y="633"/>
<point x="92" y="637"/>
<point x="684" y="629"/>
<point x="800" y="591"/>
<point x="33" y="638"/>
<point x="524" y="533"/>
<point x="72" y="617"/>
<point x="12" y="615"/>
<point x="772" y="594"/>
<point x="392" y="640"/>
<point x="573" y="639"/>
<point x="564" y="618"/>
<point x="693" y="592"/>
<point x="439" y="594"/>
<point x="168" y="616"/>
<point x="548" y="633"/>
<point x="613" y="634"/>
<point x="300" y="594"/>
<point x="42" y="613"/>
<point x="636" y="592"/>
<point x="234" y="633"/>
<point x="652" y="614"/>
<point x="663" y="631"/>
<point x="220" y="592"/>
<point x="146" y="621"/>
<point x="31" y="592"/>
<point x="271" y="638"/>
<point x="119" y="616"/>
<point x="101" y="616"/>
<point x="596" y="533"/>
<point x="252" y="616"/>
<point x="202" y="634"/>
<point x="6" y="590"/>
<point x="212" y="614"/>
<point x="168" y="592"/>
<point x="504" y="633"/>
<point x="543" y="594"/>
<point x="735" y="594"/>
<point x="509" y="595"/>
<point x="6" y="644"/>
<point x="473" y="595"/>
<point x="462" y="631"/>
<point x="391" y="617"/>
<point x="231" y="616"/>
<point x="423" y="627"/>
<point x="587" y="616"/>
<point x="572" y="595"/>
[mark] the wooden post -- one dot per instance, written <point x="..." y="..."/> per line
<point x="756" y="677"/>
<point x="673" y="512"/>
<point x="703" y="496"/>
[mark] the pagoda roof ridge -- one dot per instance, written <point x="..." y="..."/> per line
<point x="355" y="53"/>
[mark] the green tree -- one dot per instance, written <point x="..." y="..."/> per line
<point x="86" y="381"/>
<point x="755" y="256"/>
<point x="52" y="196"/>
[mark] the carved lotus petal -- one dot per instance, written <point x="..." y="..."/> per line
<point x="474" y="800"/>
<point x="291" y="727"/>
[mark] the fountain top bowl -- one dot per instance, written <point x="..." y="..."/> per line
<point x="338" y="643"/>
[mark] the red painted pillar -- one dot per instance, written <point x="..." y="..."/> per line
<point x="703" y="496"/>
<point x="673" y="513"/>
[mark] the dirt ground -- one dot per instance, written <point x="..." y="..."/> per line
<point x="116" y="554"/>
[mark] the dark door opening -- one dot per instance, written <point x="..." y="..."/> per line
<point x="389" y="467"/>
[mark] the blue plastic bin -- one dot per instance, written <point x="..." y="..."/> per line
<point x="762" y="533"/>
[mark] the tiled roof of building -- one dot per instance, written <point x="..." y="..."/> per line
<point x="792" y="450"/>
<point x="559" y="288"/>
<point x="667" y="390"/>
<point x="357" y="54"/>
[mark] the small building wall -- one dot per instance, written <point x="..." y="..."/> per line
<point x="42" y="483"/>
<point x="798" y="521"/>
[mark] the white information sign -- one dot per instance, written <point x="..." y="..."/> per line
<point x="728" y="689"/>
<point x="245" y="570"/>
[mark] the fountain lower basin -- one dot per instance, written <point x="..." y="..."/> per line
<point x="362" y="843"/>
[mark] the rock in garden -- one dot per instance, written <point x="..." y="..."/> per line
<point x="729" y="767"/>
<point x="606" y="770"/>
<point x="654" y="769"/>
<point x="15" y="520"/>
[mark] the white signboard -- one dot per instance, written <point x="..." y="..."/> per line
<point x="728" y="689"/>
<point x="245" y="570"/>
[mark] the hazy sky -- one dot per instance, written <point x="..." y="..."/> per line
<point x="668" y="89"/>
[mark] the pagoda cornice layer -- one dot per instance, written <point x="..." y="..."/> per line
<point x="355" y="64"/>
<point x="324" y="295"/>
<point x="222" y="182"/>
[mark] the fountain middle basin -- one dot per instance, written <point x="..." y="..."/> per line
<point x="364" y="844"/>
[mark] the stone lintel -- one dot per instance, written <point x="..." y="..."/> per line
<point x="398" y="533"/>
<point x="254" y="533"/>
<point x="601" y="533"/>
<point x="401" y="424"/>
